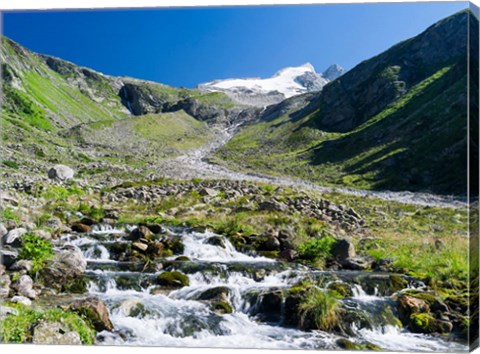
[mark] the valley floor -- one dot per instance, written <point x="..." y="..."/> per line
<point x="182" y="252"/>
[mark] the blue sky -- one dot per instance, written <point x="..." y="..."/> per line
<point x="184" y="47"/>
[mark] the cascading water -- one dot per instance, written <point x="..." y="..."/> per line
<point x="142" y="316"/>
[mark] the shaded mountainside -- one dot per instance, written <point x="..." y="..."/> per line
<point x="396" y="121"/>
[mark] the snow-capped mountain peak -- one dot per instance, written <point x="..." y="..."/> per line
<point x="295" y="70"/>
<point x="333" y="72"/>
<point x="285" y="83"/>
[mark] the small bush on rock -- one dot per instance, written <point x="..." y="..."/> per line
<point x="320" y="307"/>
<point x="36" y="249"/>
<point x="316" y="249"/>
<point x="19" y="328"/>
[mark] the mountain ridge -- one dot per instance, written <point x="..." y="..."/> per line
<point x="370" y="128"/>
<point x="395" y="121"/>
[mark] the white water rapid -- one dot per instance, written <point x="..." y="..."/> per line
<point x="143" y="314"/>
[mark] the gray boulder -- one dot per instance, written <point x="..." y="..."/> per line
<point x="272" y="205"/>
<point x="343" y="249"/>
<point x="55" y="333"/>
<point x="24" y="287"/>
<point x="4" y="286"/>
<point x="8" y="256"/>
<point x="5" y="311"/>
<point x="70" y="259"/>
<point x="129" y="307"/>
<point x="43" y="234"/>
<point x="22" y="265"/>
<point x="13" y="237"/>
<point x="3" y="230"/>
<point x="21" y="300"/>
<point x="67" y="266"/>
<point x="61" y="172"/>
<point x="54" y="223"/>
<point x="95" y="310"/>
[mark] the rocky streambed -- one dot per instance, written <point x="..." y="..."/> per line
<point x="199" y="291"/>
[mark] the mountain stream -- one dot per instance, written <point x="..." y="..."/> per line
<point x="144" y="315"/>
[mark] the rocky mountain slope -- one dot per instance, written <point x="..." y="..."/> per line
<point x="286" y="83"/>
<point x="54" y="111"/>
<point x="396" y="121"/>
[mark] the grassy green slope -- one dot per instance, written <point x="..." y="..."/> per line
<point x="396" y="121"/>
<point x="48" y="100"/>
<point x="415" y="143"/>
<point x="51" y="108"/>
<point x="147" y="137"/>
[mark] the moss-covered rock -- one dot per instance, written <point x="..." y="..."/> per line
<point x="427" y="323"/>
<point x="219" y="293"/>
<point x="173" y="279"/>
<point x="355" y="317"/>
<point x="95" y="311"/>
<point x="268" y="254"/>
<point x="182" y="259"/>
<point x="388" y="317"/>
<point x="342" y="289"/>
<point x="459" y="302"/>
<point x="222" y="307"/>
<point x="216" y="241"/>
<point x="349" y="345"/>
<point x="397" y="283"/>
<point x="408" y="305"/>
<point x="427" y="296"/>
<point x="78" y="285"/>
<point x="422" y="323"/>
<point x="174" y="244"/>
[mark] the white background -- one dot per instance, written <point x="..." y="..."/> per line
<point x="76" y="4"/>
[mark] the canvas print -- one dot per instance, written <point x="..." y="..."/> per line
<point x="270" y="177"/>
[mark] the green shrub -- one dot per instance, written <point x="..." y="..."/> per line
<point x="314" y="227"/>
<point x="36" y="249"/>
<point x="269" y="189"/>
<point x="18" y="329"/>
<point x="320" y="306"/>
<point x="91" y="211"/>
<point x="10" y="163"/>
<point x="9" y="214"/>
<point x="232" y="226"/>
<point x="42" y="219"/>
<point x="316" y="249"/>
<point x="59" y="193"/>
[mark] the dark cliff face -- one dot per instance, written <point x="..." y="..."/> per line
<point x="142" y="97"/>
<point x="373" y="84"/>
